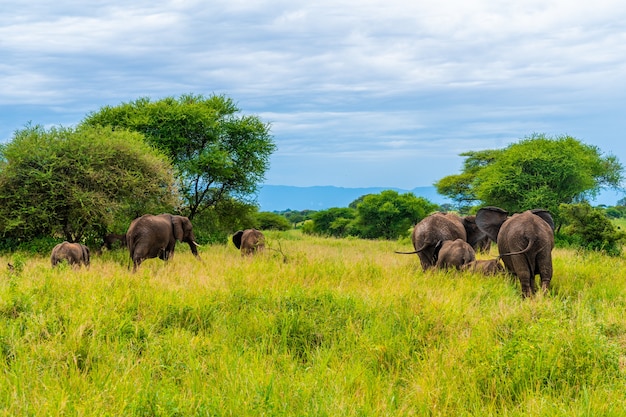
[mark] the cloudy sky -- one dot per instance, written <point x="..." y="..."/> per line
<point x="359" y="93"/>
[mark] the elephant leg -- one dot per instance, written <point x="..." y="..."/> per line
<point x="545" y="273"/>
<point x="427" y="258"/>
<point x="136" y="263"/>
<point x="524" y="280"/>
<point x="423" y="261"/>
<point x="533" y="283"/>
<point x="519" y="266"/>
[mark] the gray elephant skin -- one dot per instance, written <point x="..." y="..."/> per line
<point x="454" y="254"/>
<point x="110" y="239"/>
<point x="439" y="227"/>
<point x="151" y="236"/>
<point x="76" y="254"/>
<point x="525" y="242"/>
<point x="249" y="241"/>
<point x="485" y="267"/>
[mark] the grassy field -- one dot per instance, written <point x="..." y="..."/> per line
<point x="334" y="328"/>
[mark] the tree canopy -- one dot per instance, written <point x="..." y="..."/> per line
<point x="537" y="171"/>
<point x="219" y="153"/>
<point x="388" y="215"/>
<point x="74" y="182"/>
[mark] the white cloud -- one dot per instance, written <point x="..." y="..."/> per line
<point x="343" y="79"/>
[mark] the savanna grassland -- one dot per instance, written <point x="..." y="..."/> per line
<point x="330" y="327"/>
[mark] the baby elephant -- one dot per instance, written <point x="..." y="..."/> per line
<point x="249" y="241"/>
<point x="485" y="267"/>
<point x="74" y="253"/>
<point x="454" y="253"/>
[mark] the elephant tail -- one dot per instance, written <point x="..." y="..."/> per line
<point x="530" y="244"/>
<point x="424" y="246"/>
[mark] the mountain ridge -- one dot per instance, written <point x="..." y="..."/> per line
<point x="323" y="197"/>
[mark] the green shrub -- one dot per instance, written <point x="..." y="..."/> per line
<point x="590" y="228"/>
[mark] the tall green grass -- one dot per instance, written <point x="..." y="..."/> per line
<point x="324" y="327"/>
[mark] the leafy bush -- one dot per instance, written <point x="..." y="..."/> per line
<point x="308" y="227"/>
<point x="272" y="221"/>
<point x="72" y="183"/>
<point x="590" y="228"/>
<point x="40" y="245"/>
<point x="333" y="222"/>
<point x="388" y="215"/>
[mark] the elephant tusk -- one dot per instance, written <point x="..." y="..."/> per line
<point x="196" y="243"/>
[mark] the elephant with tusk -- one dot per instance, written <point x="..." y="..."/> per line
<point x="152" y="236"/>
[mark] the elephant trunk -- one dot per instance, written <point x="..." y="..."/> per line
<point x="193" y="245"/>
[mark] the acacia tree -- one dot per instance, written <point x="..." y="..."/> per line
<point x="219" y="154"/>
<point x="459" y="188"/>
<point x="77" y="182"/>
<point x="536" y="172"/>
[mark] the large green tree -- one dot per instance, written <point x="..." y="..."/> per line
<point x="459" y="188"/>
<point x="219" y="153"/>
<point x="537" y="171"/>
<point x="73" y="183"/>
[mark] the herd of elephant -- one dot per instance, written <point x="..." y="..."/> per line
<point x="445" y="240"/>
<point x="525" y="242"/>
<point x="151" y="236"/>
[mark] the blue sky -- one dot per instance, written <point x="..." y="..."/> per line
<point x="359" y="93"/>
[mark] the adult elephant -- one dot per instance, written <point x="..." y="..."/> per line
<point x="76" y="254"/>
<point x="439" y="227"/>
<point x="454" y="254"/>
<point x="249" y="241"/>
<point x="152" y="236"/>
<point x="525" y="242"/>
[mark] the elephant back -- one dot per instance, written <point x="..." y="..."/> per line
<point x="436" y="228"/>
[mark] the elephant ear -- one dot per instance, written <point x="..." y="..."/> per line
<point x="545" y="215"/>
<point x="473" y="232"/>
<point x="85" y="250"/>
<point x="237" y="239"/>
<point x="489" y="220"/>
<point x="177" y="225"/>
